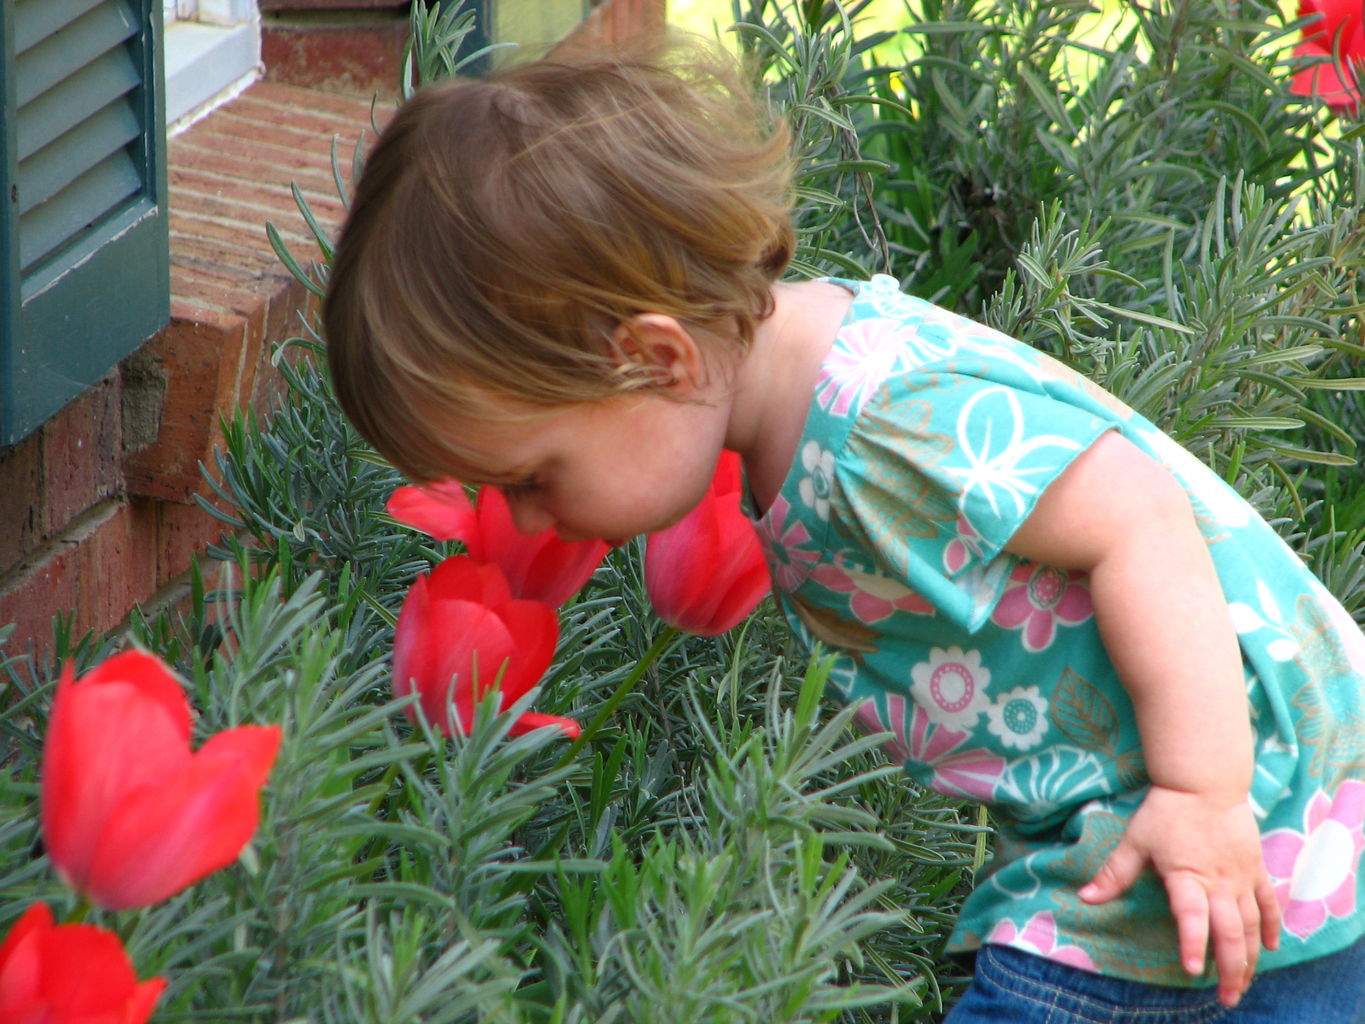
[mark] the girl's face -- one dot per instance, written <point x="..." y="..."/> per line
<point x="604" y="470"/>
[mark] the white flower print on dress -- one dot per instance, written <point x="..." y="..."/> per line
<point x="1314" y="871"/>
<point x="992" y="441"/>
<point x="1055" y="779"/>
<point x="1245" y="619"/>
<point x="1039" y="936"/>
<point x="815" y="489"/>
<point x="951" y="686"/>
<point x="1019" y="718"/>
<point x="867" y="353"/>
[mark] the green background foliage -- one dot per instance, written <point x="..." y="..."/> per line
<point x="1153" y="207"/>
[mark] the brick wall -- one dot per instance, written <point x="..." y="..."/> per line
<point x="100" y="501"/>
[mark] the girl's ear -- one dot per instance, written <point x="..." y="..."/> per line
<point x="664" y="348"/>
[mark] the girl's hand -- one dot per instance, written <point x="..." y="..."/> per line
<point x="1207" y="849"/>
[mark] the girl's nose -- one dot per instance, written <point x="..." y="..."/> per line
<point x="527" y="516"/>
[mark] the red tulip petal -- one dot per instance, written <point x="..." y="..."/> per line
<point x="166" y="836"/>
<point x="729" y="475"/>
<point x="539" y="566"/>
<point x="534" y="630"/>
<point x="73" y="974"/>
<point x="451" y="640"/>
<point x="463" y="578"/>
<point x="409" y="647"/>
<point x="153" y="681"/>
<point x="502" y="540"/>
<point x="20" y="958"/>
<point x="560" y="569"/>
<point x="144" y="999"/>
<point x="1335" y="15"/>
<point x="1328" y="82"/>
<point x="104" y="981"/>
<point x="706" y="573"/>
<point x="103" y="740"/>
<point x="742" y="597"/>
<point x="443" y="513"/>
<point x="679" y="562"/>
<point x="532" y="720"/>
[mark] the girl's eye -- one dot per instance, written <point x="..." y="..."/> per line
<point x="520" y="488"/>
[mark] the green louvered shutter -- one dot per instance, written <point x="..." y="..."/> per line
<point x="83" y="236"/>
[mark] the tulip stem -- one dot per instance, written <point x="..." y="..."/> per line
<point x="661" y="643"/>
<point x="80" y="911"/>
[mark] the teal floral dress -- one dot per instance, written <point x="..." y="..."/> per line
<point x="928" y="440"/>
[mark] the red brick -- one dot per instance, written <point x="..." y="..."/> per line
<point x="213" y="291"/>
<point x="315" y="125"/>
<point x="81" y="449"/>
<point x="201" y="362"/>
<point x="184" y="532"/>
<point x="292" y="97"/>
<point x="20" y="500"/>
<point x="36" y="591"/>
<point x="115" y="567"/>
<point x="230" y="238"/>
<point x="309" y="170"/>
<point x="362" y="59"/>
<point x="327" y="5"/>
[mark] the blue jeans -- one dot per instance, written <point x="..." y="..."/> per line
<point x="1012" y="987"/>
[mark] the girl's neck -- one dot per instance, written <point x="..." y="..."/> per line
<point x="774" y="383"/>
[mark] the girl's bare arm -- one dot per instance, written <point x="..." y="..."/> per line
<point x="1118" y="514"/>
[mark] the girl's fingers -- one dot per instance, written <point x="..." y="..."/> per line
<point x="1271" y="913"/>
<point x="1120" y="871"/>
<point x="1233" y="957"/>
<point x="1190" y="907"/>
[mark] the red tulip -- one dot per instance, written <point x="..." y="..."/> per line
<point x="1338" y="33"/>
<point x="706" y="573"/>
<point x="459" y="627"/>
<point x="130" y="815"/>
<point x="72" y="974"/>
<point x="538" y="567"/>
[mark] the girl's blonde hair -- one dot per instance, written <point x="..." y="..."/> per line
<point x="503" y="228"/>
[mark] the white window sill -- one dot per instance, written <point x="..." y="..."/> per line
<point x="206" y="64"/>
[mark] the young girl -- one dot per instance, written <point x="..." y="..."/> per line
<point x="563" y="280"/>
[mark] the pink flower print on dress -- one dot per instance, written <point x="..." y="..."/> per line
<point x="866" y="354"/>
<point x="1314" y="871"/>
<point x="972" y="773"/>
<point x="875" y="597"/>
<point x="964" y="549"/>
<point x="951" y="686"/>
<point x="785" y="539"/>
<point x="1039" y="597"/>
<point x="1039" y="936"/>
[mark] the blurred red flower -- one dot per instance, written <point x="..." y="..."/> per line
<point x="538" y="567"/>
<point x="130" y="815"/>
<point x="71" y="974"/>
<point x="1339" y="32"/>
<point x="706" y="573"/>
<point x="458" y="627"/>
